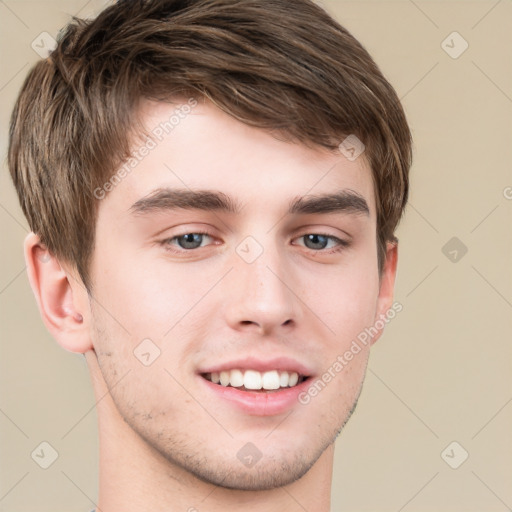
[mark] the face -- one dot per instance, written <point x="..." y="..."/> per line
<point x="217" y="258"/>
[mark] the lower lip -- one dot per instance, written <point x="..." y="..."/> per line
<point x="259" y="403"/>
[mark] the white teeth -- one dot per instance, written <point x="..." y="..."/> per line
<point x="224" y="378"/>
<point x="237" y="378"/>
<point x="270" y="380"/>
<point x="254" y="380"/>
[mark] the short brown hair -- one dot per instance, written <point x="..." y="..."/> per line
<point x="282" y="65"/>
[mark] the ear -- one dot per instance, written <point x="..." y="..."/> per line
<point x="386" y="290"/>
<point x="61" y="298"/>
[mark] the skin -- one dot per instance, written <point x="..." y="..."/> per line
<point x="165" y="443"/>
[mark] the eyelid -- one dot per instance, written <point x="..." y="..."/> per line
<point x="320" y="229"/>
<point x="189" y="228"/>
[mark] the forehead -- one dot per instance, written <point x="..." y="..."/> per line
<point x="193" y="145"/>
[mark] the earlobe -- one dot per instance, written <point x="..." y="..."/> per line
<point x="387" y="286"/>
<point x="55" y="298"/>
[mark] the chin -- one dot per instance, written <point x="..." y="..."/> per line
<point x="264" y="476"/>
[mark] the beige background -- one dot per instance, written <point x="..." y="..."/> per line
<point x="442" y="370"/>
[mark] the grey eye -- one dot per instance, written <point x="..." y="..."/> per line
<point x="314" y="241"/>
<point x="190" y="240"/>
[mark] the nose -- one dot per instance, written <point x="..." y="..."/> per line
<point x="259" y="294"/>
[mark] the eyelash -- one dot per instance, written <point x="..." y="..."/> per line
<point x="341" y="244"/>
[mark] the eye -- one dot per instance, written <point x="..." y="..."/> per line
<point x="185" y="242"/>
<point x="316" y="242"/>
<point x="319" y="242"/>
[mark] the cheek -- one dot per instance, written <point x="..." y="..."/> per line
<point x="137" y="371"/>
<point x="156" y="311"/>
<point x="345" y="301"/>
<point x="146" y="298"/>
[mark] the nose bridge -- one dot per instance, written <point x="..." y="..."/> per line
<point x="260" y="294"/>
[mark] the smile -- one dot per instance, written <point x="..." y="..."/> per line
<point x="253" y="380"/>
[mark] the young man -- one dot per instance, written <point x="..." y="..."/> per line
<point x="213" y="188"/>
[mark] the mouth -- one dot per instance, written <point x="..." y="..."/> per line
<point x="256" y="386"/>
<point x="255" y="381"/>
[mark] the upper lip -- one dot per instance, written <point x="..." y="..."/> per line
<point x="261" y="365"/>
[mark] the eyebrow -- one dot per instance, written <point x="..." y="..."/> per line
<point x="167" y="199"/>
